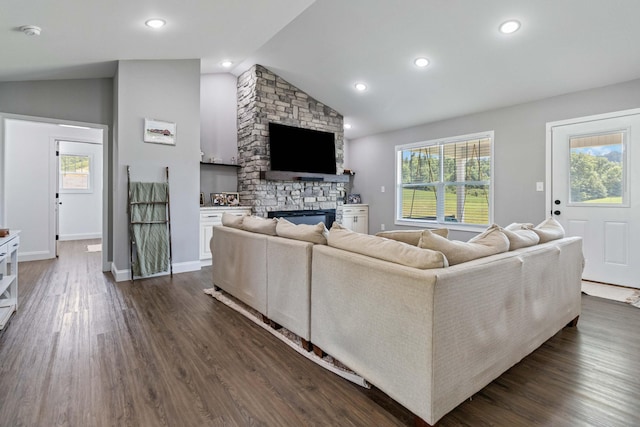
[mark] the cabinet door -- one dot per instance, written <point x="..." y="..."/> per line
<point x="206" y="233"/>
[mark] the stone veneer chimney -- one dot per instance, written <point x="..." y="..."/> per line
<point x="264" y="97"/>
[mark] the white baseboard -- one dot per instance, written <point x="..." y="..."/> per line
<point x="180" y="267"/>
<point x="82" y="236"/>
<point x="34" y="256"/>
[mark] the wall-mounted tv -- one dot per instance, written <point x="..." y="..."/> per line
<point x="295" y="149"/>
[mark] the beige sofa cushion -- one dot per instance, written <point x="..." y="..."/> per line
<point x="260" y="225"/>
<point x="549" y="230"/>
<point x="306" y="232"/>
<point x="411" y="237"/>
<point x="384" y="249"/>
<point x="520" y="238"/>
<point x="491" y="241"/>
<point x="231" y="220"/>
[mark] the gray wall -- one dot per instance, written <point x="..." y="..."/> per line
<point x="519" y="152"/>
<point x="162" y="90"/>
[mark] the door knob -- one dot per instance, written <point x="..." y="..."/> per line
<point x="557" y="202"/>
<point x="556" y="212"/>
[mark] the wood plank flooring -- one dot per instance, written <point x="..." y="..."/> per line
<point x="86" y="351"/>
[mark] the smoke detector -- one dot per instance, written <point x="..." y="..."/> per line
<point x="31" y="30"/>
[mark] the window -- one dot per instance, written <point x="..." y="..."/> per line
<point x="75" y="173"/>
<point x="597" y="169"/>
<point x="445" y="181"/>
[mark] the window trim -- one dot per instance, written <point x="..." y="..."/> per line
<point x="88" y="190"/>
<point x="422" y="223"/>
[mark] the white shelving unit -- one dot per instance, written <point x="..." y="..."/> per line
<point x="8" y="276"/>
<point x="356" y="217"/>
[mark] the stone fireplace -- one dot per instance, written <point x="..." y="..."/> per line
<point x="264" y="97"/>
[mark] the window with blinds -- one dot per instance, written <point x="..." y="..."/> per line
<point x="445" y="181"/>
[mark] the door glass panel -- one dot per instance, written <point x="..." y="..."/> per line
<point x="596" y="173"/>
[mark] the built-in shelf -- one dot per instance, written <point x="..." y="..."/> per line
<point x="219" y="164"/>
<point x="302" y="176"/>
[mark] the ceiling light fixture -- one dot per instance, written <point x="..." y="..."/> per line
<point x="226" y="63"/>
<point x="31" y="30"/>
<point x="155" y="23"/>
<point x="347" y="126"/>
<point x="509" y="27"/>
<point x="360" y="87"/>
<point x="421" y="62"/>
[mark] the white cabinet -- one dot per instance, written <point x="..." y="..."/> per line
<point x="8" y="276"/>
<point x="356" y="217"/>
<point x="210" y="217"/>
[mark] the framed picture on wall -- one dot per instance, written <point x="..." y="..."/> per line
<point x="159" y="132"/>
<point x="232" y="199"/>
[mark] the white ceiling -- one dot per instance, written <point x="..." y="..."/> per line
<point x="325" y="46"/>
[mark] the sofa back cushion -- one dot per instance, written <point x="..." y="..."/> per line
<point x="491" y="241"/>
<point x="260" y="225"/>
<point x="231" y="220"/>
<point x="520" y="238"/>
<point x="384" y="249"/>
<point x="411" y="237"/>
<point x="306" y="232"/>
<point x="549" y="230"/>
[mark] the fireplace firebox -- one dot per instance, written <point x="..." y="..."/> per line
<point x="306" y="216"/>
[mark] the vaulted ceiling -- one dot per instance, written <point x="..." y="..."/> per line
<point x="326" y="46"/>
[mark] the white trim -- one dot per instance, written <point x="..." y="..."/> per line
<point x="34" y="256"/>
<point x="180" y="267"/>
<point x="81" y="236"/>
<point x="548" y="147"/>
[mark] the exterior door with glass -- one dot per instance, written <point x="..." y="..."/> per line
<point x="595" y="192"/>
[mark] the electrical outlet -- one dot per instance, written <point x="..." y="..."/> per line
<point x="539" y="186"/>
<point x="382" y="227"/>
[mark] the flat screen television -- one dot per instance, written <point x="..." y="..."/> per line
<point x="295" y="149"/>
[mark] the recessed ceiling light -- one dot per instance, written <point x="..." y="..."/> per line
<point x="347" y="126"/>
<point x="155" y="23"/>
<point x="360" y="86"/>
<point x="421" y="62"/>
<point x="226" y="63"/>
<point x="509" y="27"/>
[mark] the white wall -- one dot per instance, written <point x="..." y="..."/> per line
<point x="30" y="185"/>
<point x="170" y="91"/>
<point x="81" y="213"/>
<point x="519" y="152"/>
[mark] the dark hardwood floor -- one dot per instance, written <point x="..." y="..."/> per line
<point x="86" y="351"/>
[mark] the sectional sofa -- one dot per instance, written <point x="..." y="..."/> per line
<point x="429" y="327"/>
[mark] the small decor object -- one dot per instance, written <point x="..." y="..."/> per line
<point x="4" y="232"/>
<point x="159" y="132"/>
<point x="218" y="199"/>
<point x="232" y="199"/>
<point x="201" y="199"/>
<point x="353" y="199"/>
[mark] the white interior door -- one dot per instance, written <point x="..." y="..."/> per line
<point x="595" y="192"/>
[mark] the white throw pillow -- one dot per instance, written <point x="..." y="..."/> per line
<point x="260" y="225"/>
<point x="306" y="232"/>
<point x="231" y="220"/>
<point x="520" y="238"/>
<point x="549" y="230"/>
<point x="411" y="237"/>
<point x="384" y="249"/>
<point x="491" y="241"/>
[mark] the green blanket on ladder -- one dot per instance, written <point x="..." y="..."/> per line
<point x="149" y="227"/>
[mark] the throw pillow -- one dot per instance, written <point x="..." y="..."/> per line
<point x="519" y="226"/>
<point x="384" y="249"/>
<point x="231" y="220"/>
<point x="520" y="238"/>
<point x="306" y="232"/>
<point x="259" y="225"/>
<point x="549" y="230"/>
<point x="491" y="241"/>
<point x="411" y="237"/>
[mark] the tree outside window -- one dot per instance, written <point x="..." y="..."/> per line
<point x="75" y="173"/>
